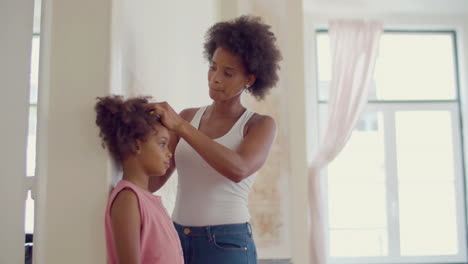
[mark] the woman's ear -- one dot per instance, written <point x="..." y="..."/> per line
<point x="251" y="78"/>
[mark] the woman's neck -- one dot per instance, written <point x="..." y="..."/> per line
<point x="227" y="109"/>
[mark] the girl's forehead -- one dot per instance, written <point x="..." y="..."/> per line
<point x="161" y="131"/>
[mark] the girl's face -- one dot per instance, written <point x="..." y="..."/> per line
<point x="154" y="154"/>
<point x="227" y="76"/>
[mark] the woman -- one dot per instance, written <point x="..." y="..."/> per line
<point x="220" y="147"/>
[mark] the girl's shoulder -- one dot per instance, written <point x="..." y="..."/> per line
<point x="124" y="197"/>
<point x="124" y="184"/>
<point x="121" y="186"/>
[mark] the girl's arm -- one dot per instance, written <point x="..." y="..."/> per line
<point x="126" y="223"/>
<point x="235" y="165"/>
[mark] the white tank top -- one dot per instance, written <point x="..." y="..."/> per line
<point x="204" y="196"/>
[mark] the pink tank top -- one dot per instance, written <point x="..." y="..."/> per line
<point x="159" y="242"/>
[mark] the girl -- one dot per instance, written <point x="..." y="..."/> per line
<point x="138" y="228"/>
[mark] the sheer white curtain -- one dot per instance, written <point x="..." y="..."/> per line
<point x="354" y="46"/>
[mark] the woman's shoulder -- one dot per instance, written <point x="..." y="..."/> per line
<point x="259" y="121"/>
<point x="189" y="113"/>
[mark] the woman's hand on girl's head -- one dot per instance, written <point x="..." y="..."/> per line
<point x="169" y="117"/>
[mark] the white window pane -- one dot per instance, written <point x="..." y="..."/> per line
<point x="358" y="243"/>
<point x="362" y="159"/>
<point x="415" y="67"/>
<point x="427" y="219"/>
<point x="357" y="193"/>
<point x="324" y="65"/>
<point x="29" y="215"/>
<point x="407" y="67"/>
<point x="358" y="205"/>
<point x="424" y="145"/>
<point x="31" y="148"/>
<point x="426" y="183"/>
<point x="34" y="76"/>
<point x="324" y="57"/>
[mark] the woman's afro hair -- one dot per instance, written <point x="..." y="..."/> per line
<point x="252" y="40"/>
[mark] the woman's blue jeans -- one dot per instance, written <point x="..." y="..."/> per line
<point x="217" y="244"/>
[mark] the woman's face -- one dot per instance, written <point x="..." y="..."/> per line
<point x="227" y="76"/>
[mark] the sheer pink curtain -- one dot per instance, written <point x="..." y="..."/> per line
<point x="354" y="46"/>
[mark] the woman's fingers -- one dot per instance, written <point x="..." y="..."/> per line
<point x="168" y="116"/>
<point x="158" y="106"/>
<point x="155" y="108"/>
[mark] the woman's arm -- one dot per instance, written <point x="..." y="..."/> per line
<point x="235" y="165"/>
<point x="126" y="223"/>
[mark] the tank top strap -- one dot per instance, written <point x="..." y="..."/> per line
<point x="197" y="117"/>
<point x="240" y="124"/>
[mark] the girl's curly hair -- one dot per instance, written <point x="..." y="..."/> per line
<point x="252" y="40"/>
<point x="123" y="122"/>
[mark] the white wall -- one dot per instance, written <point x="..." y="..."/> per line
<point x="157" y="49"/>
<point x="16" y="24"/>
<point x="286" y="19"/>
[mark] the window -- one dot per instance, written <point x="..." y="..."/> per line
<point x="31" y="148"/>
<point x="32" y="123"/>
<point x="395" y="194"/>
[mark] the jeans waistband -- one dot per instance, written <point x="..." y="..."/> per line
<point x="214" y="229"/>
